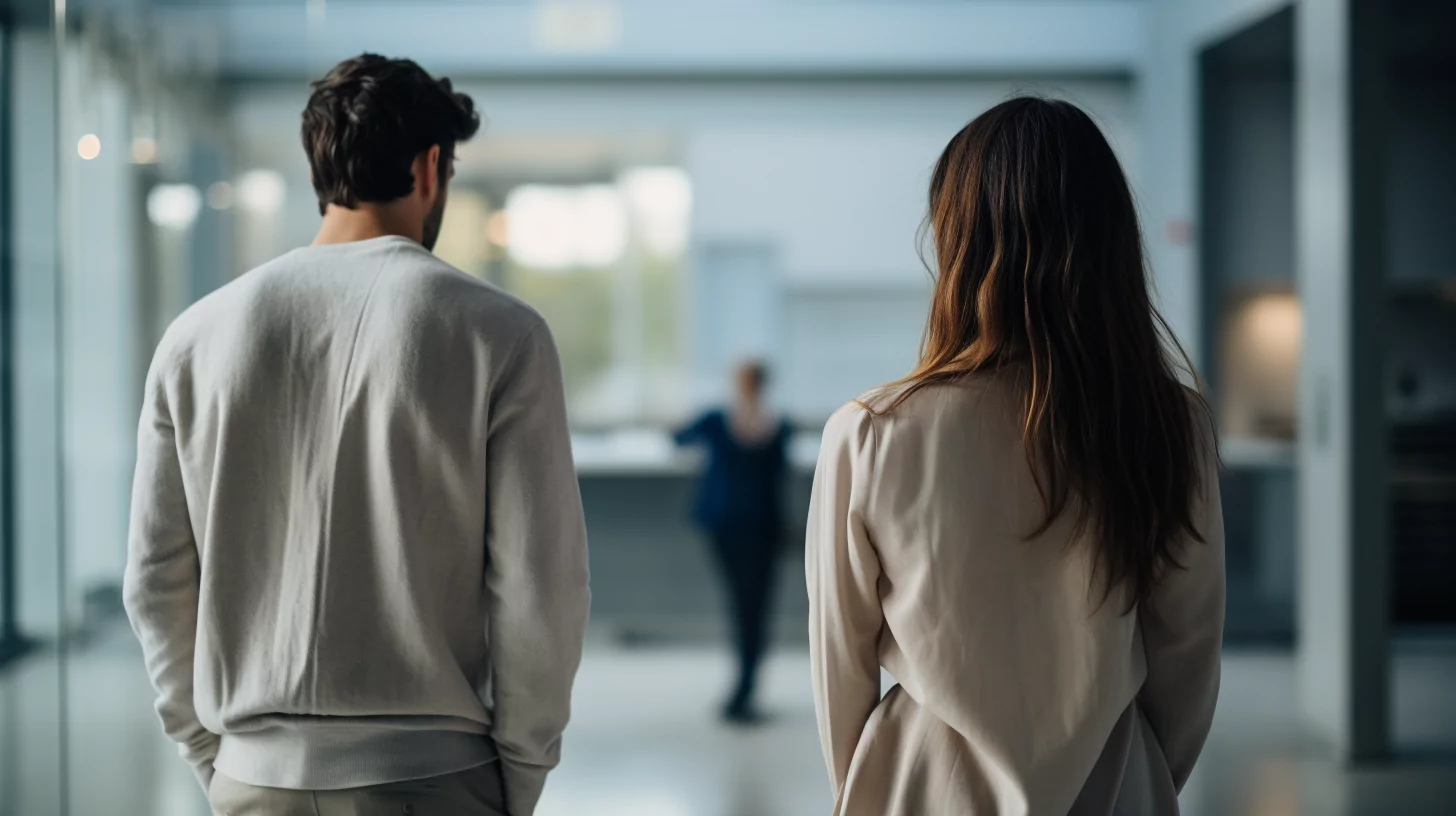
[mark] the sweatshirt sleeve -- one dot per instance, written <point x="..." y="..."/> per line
<point x="843" y="569"/>
<point x="536" y="573"/>
<point x="161" y="584"/>
<point x="1183" y="634"/>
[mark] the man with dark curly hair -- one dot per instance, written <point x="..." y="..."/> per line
<point x="357" y="558"/>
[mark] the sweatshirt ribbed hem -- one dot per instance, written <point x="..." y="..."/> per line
<point x="306" y="756"/>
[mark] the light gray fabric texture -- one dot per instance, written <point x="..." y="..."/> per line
<point x="357" y="553"/>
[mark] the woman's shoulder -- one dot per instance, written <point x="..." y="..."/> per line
<point x="849" y="429"/>
<point x="912" y="403"/>
<point x="900" y="410"/>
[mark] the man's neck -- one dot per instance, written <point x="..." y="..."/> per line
<point x="367" y="221"/>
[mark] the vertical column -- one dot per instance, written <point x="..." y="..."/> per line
<point x="1343" y="611"/>
<point x="1167" y="92"/>
<point x="34" y="145"/>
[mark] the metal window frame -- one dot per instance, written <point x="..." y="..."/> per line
<point x="12" y="642"/>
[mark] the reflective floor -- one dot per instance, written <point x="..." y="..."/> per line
<point x="644" y="742"/>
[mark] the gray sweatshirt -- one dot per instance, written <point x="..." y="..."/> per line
<point x="357" y="553"/>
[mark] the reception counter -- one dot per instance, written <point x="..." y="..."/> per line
<point x="652" y="576"/>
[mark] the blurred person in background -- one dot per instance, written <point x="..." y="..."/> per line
<point x="740" y="507"/>
<point x="357" y="562"/>
<point x="1026" y="531"/>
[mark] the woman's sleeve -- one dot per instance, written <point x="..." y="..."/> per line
<point x="843" y="572"/>
<point x="1183" y="635"/>
<point x="692" y="433"/>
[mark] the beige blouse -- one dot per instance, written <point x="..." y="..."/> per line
<point x="1018" y="692"/>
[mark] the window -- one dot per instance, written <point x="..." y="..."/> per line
<point x="603" y="262"/>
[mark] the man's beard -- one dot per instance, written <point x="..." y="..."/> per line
<point x="433" y="220"/>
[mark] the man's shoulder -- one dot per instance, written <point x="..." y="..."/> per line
<point x="431" y="292"/>
<point x="207" y="314"/>
<point x="475" y="298"/>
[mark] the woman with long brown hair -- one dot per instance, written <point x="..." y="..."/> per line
<point x="1025" y="531"/>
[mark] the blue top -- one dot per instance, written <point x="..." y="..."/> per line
<point x="742" y="484"/>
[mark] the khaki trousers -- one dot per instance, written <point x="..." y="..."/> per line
<point x="472" y="792"/>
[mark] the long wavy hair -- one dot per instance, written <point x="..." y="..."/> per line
<point x="1040" y="276"/>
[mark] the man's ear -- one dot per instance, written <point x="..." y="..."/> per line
<point x="427" y="173"/>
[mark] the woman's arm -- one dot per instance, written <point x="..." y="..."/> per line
<point x="843" y="571"/>
<point x="694" y="432"/>
<point x="1183" y="635"/>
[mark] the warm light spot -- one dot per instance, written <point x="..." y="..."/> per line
<point x="1261" y="342"/>
<point x="144" y="150"/>
<point x="1274" y="325"/>
<point x="498" y="228"/>
<point x="89" y="147"/>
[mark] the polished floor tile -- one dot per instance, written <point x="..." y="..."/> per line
<point x="644" y="742"/>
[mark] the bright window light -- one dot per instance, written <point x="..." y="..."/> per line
<point x="542" y="220"/>
<point x="261" y="191"/>
<point x="661" y="199"/>
<point x="173" y="206"/>
<point x="554" y="228"/>
<point x="601" y="224"/>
